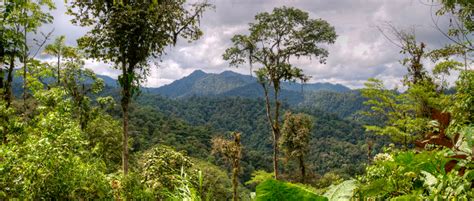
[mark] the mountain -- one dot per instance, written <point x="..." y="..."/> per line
<point x="331" y="98"/>
<point x="230" y="83"/>
<point x="108" y="81"/>
<point x="315" y="87"/>
<point x="203" y="84"/>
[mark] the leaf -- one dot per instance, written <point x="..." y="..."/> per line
<point x="277" y="190"/>
<point x="407" y="197"/>
<point x="430" y="180"/>
<point x="450" y="165"/>
<point x="342" y="191"/>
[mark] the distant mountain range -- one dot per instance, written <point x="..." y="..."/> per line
<point x="229" y="83"/>
<point x="333" y="98"/>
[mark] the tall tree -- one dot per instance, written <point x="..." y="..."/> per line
<point x="275" y="39"/>
<point x="10" y="43"/>
<point x="58" y="49"/>
<point x="80" y="83"/>
<point x="417" y="79"/>
<point x="32" y="16"/>
<point x="296" y="131"/>
<point x="231" y="150"/>
<point x="128" y="33"/>
<point x="22" y="17"/>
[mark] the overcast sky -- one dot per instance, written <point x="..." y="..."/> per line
<point x="360" y="51"/>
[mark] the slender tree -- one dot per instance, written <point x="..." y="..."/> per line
<point x="32" y="16"/>
<point x="127" y="33"/>
<point x="231" y="150"/>
<point x="59" y="50"/>
<point x="275" y="39"/>
<point x="19" y="19"/>
<point x="74" y="78"/>
<point x="296" y="133"/>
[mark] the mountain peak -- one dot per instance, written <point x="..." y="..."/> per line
<point x="229" y="72"/>
<point x="197" y="73"/>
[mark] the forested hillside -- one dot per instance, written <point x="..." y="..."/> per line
<point x="341" y="141"/>
<point x="68" y="133"/>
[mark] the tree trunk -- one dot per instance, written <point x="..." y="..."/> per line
<point x="236" y="165"/>
<point x="25" y="54"/>
<point x="8" y="88"/>
<point x="59" y="69"/>
<point x="303" y="174"/>
<point x="235" y="184"/>
<point x="275" y="153"/>
<point x="274" y="135"/>
<point x="2" y="57"/>
<point x="276" y="130"/>
<point x="125" y="135"/>
<point x="126" y="96"/>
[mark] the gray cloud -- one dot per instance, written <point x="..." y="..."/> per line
<point x="360" y="51"/>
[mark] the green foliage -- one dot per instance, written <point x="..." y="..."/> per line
<point x="186" y="190"/>
<point x="47" y="151"/>
<point x="342" y="191"/>
<point x="189" y="123"/>
<point x="130" y="186"/>
<point x="19" y="18"/>
<point x="409" y="173"/>
<point x="344" y="104"/>
<point x="150" y="126"/>
<point x="461" y="104"/>
<point x="461" y="14"/>
<point x="161" y="166"/>
<point x="295" y="138"/>
<point x="259" y="176"/>
<point x="216" y="183"/>
<point x="29" y="15"/>
<point x="399" y="111"/>
<point x="296" y="134"/>
<point x="328" y="179"/>
<point x="128" y="34"/>
<point x="104" y="139"/>
<point x="278" y="190"/>
<point x="230" y="150"/>
<point x="274" y="39"/>
<point x="50" y="159"/>
<point x="59" y="50"/>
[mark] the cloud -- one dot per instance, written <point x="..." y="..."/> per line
<point x="166" y="72"/>
<point x="359" y="53"/>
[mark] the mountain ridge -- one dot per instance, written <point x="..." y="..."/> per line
<point x="230" y="83"/>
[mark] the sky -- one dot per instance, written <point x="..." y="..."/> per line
<point x="360" y="51"/>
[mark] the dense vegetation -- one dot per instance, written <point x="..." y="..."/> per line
<point x="66" y="133"/>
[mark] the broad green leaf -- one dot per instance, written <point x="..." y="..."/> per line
<point x="342" y="191"/>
